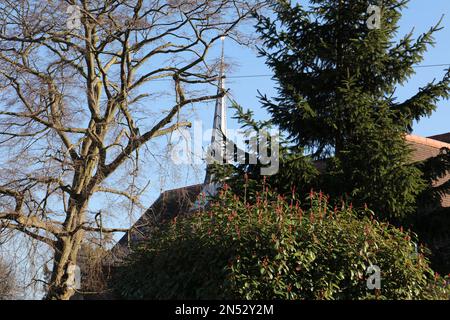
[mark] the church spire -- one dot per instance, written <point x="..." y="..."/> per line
<point x="218" y="138"/>
<point x="220" y="113"/>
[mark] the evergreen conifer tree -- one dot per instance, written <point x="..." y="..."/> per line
<point x="337" y="71"/>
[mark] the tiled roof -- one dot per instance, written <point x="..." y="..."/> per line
<point x="424" y="148"/>
<point x="427" y="142"/>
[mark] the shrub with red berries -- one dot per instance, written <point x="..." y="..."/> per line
<point x="274" y="248"/>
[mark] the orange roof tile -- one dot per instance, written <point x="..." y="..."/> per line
<point x="427" y="141"/>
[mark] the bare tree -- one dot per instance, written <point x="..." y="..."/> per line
<point x="75" y="83"/>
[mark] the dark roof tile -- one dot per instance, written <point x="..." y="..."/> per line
<point x="170" y="204"/>
<point x="445" y="137"/>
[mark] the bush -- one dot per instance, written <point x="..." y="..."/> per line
<point x="274" y="249"/>
<point x="8" y="285"/>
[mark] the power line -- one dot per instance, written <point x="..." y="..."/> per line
<point x="432" y="65"/>
<point x="271" y="75"/>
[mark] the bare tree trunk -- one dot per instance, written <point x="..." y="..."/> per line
<point x="59" y="287"/>
<point x="66" y="254"/>
<point x="68" y="246"/>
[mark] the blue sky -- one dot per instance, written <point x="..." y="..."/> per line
<point x="421" y="14"/>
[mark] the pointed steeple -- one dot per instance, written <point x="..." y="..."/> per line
<point x="220" y="113"/>
<point x="218" y="138"/>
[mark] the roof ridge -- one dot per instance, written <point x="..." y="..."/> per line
<point x="181" y="188"/>
<point x="444" y="137"/>
<point x="427" y="141"/>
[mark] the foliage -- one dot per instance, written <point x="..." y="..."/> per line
<point x="432" y="222"/>
<point x="275" y="250"/>
<point x="336" y="96"/>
